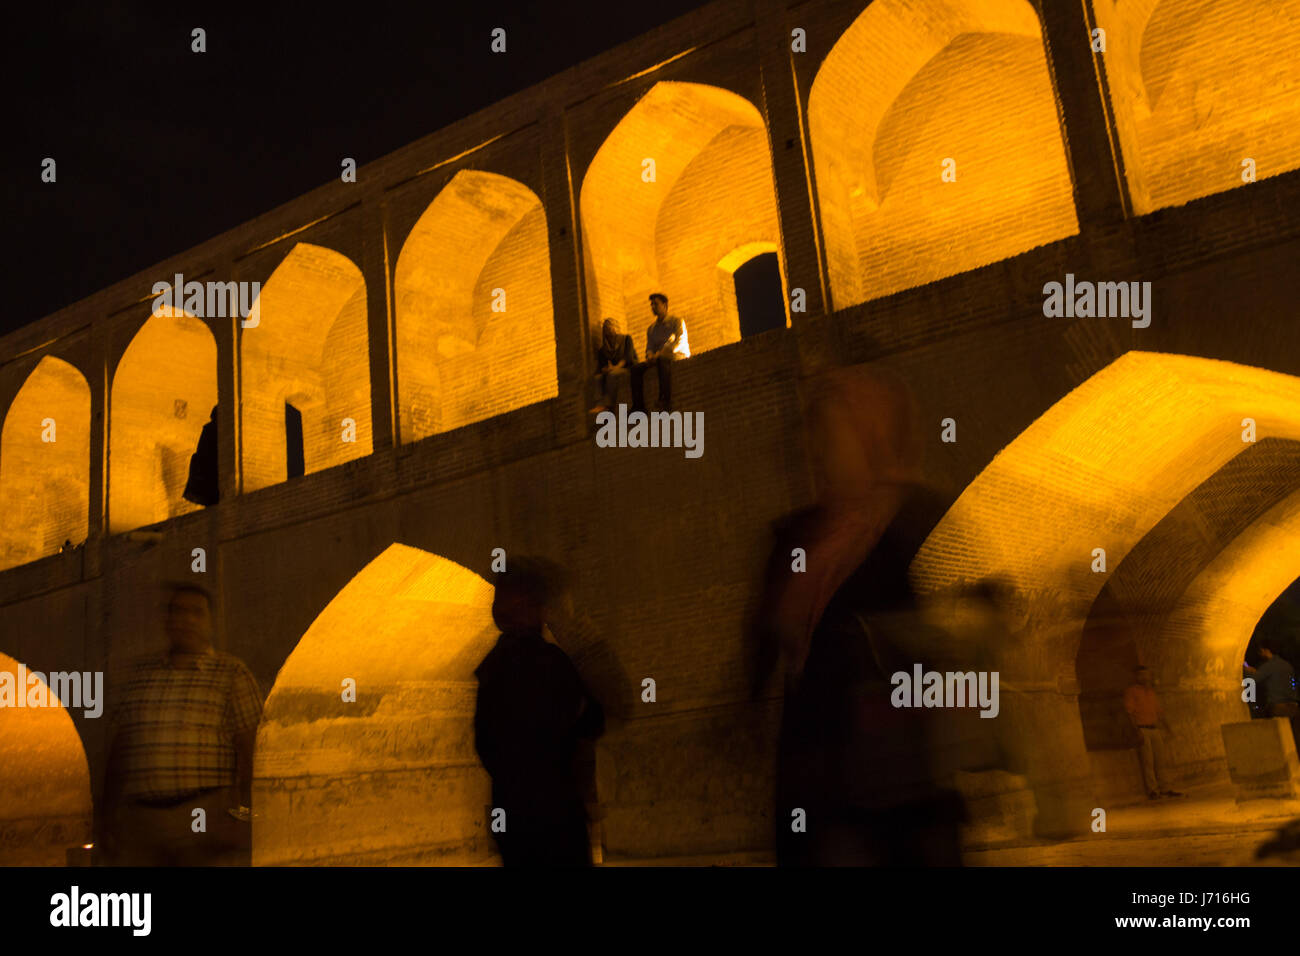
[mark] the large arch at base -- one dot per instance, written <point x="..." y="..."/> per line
<point x="1152" y="462"/>
<point x="391" y="778"/>
<point x="1129" y="623"/>
<point x="45" y="803"/>
<point x="1214" y="619"/>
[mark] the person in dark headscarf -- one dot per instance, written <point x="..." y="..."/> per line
<point x="532" y="713"/>
<point x="616" y="358"/>
<point x="202" y="488"/>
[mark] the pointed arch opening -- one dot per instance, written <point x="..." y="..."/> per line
<point x="390" y="777"/>
<point x="682" y="181"/>
<point x="311" y="342"/>
<point x="1138" y="520"/>
<point x="45" y="464"/>
<point x="45" y="802"/>
<point x="1198" y="88"/>
<point x="475" y="323"/>
<point x="164" y="390"/>
<point x="936" y="144"/>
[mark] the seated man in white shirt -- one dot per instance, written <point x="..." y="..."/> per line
<point x="665" y="342"/>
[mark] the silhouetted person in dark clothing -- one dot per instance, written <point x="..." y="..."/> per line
<point x="203" y="485"/>
<point x="532" y="712"/>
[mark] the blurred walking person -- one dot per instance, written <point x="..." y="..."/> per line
<point x="182" y="739"/>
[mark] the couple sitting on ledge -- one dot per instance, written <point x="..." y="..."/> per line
<point x="665" y="341"/>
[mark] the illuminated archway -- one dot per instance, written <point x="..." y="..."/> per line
<point x="712" y="193"/>
<point x="392" y="778"/>
<point x="310" y="346"/>
<point x="163" y="392"/>
<point x="45" y="805"/>
<point x="1145" y="460"/>
<point x="475" y="327"/>
<point x="45" y="464"/>
<point x="1130" y="622"/>
<point x="1197" y="87"/>
<point x="904" y="90"/>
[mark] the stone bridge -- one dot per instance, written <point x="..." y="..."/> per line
<point x="916" y="173"/>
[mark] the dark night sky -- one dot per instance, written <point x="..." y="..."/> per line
<point x="159" y="149"/>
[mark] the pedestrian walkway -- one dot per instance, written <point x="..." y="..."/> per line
<point x="1206" y="827"/>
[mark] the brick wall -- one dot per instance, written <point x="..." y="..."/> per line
<point x="897" y="97"/>
<point x="1198" y="88"/>
<point x="712" y="192"/>
<point x="458" y="361"/>
<point x="45" y="776"/>
<point x="723" y="200"/>
<point x="309" y="348"/>
<point x="345" y="381"/>
<point x="45" y="485"/>
<point x="162" y="395"/>
<point x="668" y="550"/>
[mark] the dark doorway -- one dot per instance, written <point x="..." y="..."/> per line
<point x="293" y="441"/>
<point x="1281" y="624"/>
<point x="759" y="298"/>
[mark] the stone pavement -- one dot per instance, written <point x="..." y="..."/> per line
<point x="1204" y="828"/>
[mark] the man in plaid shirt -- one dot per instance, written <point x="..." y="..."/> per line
<point x="182" y="738"/>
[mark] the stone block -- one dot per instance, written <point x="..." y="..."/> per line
<point x="1262" y="759"/>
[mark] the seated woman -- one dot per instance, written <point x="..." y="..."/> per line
<point x="615" y="358"/>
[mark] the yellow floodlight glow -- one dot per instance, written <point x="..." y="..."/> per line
<point x="45" y="787"/>
<point x="310" y="348"/>
<point x="45" y="464"/>
<point x="164" y="389"/>
<point x="407" y="631"/>
<point x="1099" y="469"/>
<point x="681" y="183"/>
<point x="475" y="324"/>
<point x="1197" y="89"/>
<point x="911" y="94"/>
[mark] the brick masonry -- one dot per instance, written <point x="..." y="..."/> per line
<point x="670" y="584"/>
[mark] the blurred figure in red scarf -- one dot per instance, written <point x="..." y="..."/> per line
<point x="851" y="767"/>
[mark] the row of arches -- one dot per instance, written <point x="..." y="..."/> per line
<point x="899" y="95"/>
<point x="408" y="630"/>
<point x="1199" y="526"/>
